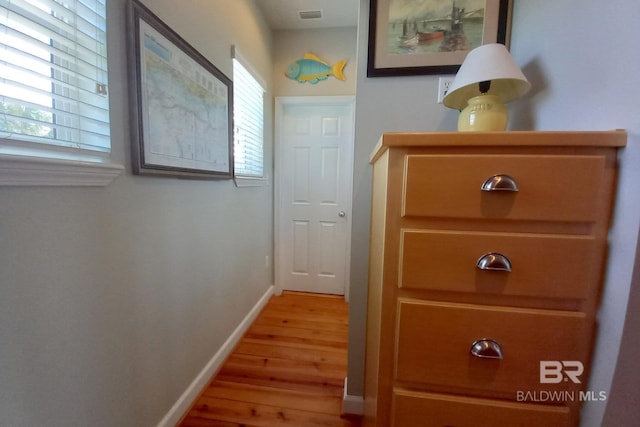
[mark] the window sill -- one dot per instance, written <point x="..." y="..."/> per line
<point x="16" y="170"/>
<point x="243" y="181"/>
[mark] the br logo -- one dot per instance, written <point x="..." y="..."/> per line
<point x="555" y="371"/>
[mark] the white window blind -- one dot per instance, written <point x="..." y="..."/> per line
<point x="53" y="74"/>
<point x="248" y="117"/>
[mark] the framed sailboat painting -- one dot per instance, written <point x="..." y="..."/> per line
<point x="415" y="37"/>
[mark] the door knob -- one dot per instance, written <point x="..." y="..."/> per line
<point x="342" y="214"/>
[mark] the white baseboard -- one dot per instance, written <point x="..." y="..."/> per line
<point x="352" y="404"/>
<point x="191" y="393"/>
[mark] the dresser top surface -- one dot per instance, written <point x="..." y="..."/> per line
<point x="614" y="138"/>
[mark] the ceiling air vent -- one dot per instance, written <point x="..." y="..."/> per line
<point x="310" y="14"/>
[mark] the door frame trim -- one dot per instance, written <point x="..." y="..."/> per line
<point x="280" y="103"/>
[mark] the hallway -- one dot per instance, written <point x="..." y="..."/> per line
<point x="288" y="369"/>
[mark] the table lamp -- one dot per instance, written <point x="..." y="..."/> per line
<point x="487" y="79"/>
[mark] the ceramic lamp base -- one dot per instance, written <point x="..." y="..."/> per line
<point x="483" y="113"/>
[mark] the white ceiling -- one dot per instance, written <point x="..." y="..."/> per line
<point x="284" y="14"/>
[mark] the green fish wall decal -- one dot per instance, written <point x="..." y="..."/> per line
<point x="313" y="69"/>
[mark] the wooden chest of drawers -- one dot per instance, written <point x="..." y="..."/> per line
<point x="486" y="263"/>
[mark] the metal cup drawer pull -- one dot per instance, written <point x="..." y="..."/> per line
<point x="500" y="182"/>
<point x="487" y="349"/>
<point x="494" y="261"/>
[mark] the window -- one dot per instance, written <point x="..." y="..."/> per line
<point x="53" y="81"/>
<point x="248" y="117"/>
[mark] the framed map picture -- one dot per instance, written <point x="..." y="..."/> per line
<point x="181" y="104"/>
<point x="413" y="37"/>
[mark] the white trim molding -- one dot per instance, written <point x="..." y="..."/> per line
<point x="193" y="391"/>
<point x="246" y="181"/>
<point x="353" y="405"/>
<point x="16" y="170"/>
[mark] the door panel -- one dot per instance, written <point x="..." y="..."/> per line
<point x="300" y="247"/>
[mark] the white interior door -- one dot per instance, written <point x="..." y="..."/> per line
<point x="314" y="166"/>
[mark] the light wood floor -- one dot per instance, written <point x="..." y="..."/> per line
<point x="288" y="369"/>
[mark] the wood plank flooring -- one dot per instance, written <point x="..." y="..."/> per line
<point x="288" y="370"/>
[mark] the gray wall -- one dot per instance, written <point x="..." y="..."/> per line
<point x="581" y="80"/>
<point x="383" y="104"/>
<point x="113" y="299"/>
<point x="623" y="407"/>
<point x="584" y="81"/>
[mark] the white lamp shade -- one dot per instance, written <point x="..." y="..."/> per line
<point x="490" y="62"/>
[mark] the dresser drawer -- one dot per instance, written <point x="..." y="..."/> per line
<point x="551" y="187"/>
<point x="434" y="340"/>
<point x="436" y="410"/>
<point x="542" y="265"/>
